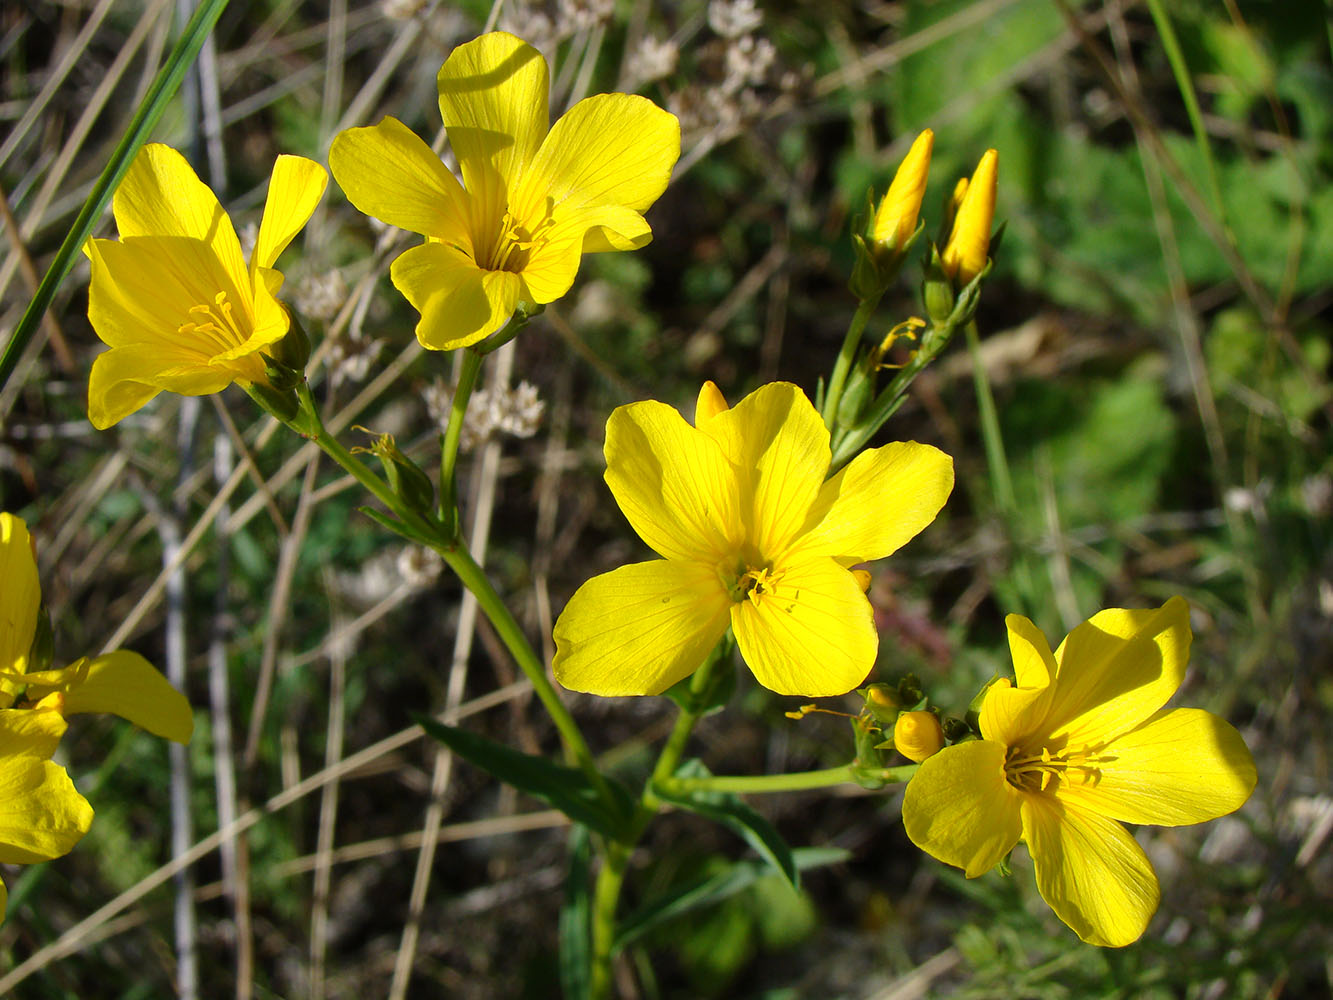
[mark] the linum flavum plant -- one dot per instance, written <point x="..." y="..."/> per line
<point x="768" y="516"/>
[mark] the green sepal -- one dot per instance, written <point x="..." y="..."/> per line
<point x="973" y="714"/>
<point x="714" y="889"/>
<point x="404" y="476"/>
<point x="576" y="919"/>
<point x="292" y="352"/>
<point x="735" y="815"/>
<point x="43" y="648"/>
<point x="719" y="686"/>
<point x="279" y="403"/>
<point x="398" y="527"/>
<point x="566" y="788"/>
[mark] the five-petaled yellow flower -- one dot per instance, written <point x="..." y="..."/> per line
<point x="532" y="202"/>
<point x="174" y="298"/>
<point x="42" y="816"/>
<point x="1078" y="747"/>
<point x="753" y="537"/>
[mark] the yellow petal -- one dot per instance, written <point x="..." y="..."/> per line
<point x="709" y="404"/>
<point x="294" y="190"/>
<point x="964" y="255"/>
<point x="125" y="684"/>
<point x="1182" y="766"/>
<point x="959" y="808"/>
<point x="20" y="598"/>
<point x="615" y="229"/>
<point x="162" y="196"/>
<point x="125" y="378"/>
<point x="553" y="263"/>
<point x="612" y="149"/>
<point x="389" y="173"/>
<point x="27" y="733"/>
<point x="640" y="628"/>
<point x="810" y="633"/>
<point x="780" y="448"/>
<point x="42" y="815"/>
<point x="879" y="502"/>
<point x="895" y="219"/>
<point x="1117" y="669"/>
<point x="673" y="484"/>
<point x="1008" y="714"/>
<point x="493" y="99"/>
<point x="1090" y="871"/>
<point x="459" y="303"/>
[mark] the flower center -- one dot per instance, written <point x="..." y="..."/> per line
<point x="513" y="248"/>
<point x="214" y="323"/>
<point x="1030" y="771"/>
<point x="756" y="583"/>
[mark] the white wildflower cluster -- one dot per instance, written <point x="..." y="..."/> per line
<point x="517" y="411"/>
<point x="734" y="18"/>
<point x="351" y="356"/>
<point x="320" y="296"/>
<point x="581" y="15"/>
<point x="419" y="566"/>
<point x="651" y="60"/>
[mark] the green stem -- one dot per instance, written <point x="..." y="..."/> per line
<point x="511" y="634"/>
<point x="846" y="355"/>
<point x="453" y="433"/>
<point x="611" y="877"/>
<point x="764" y="783"/>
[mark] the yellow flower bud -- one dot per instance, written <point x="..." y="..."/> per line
<point x="895" y="219"/>
<point x="965" y="254"/>
<point x="710" y="403"/>
<point x="918" y="735"/>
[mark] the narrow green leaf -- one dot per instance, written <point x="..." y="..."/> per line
<point x="731" y="812"/>
<point x="565" y="788"/>
<point x="161" y="92"/>
<point x="576" y="919"/>
<point x="714" y="889"/>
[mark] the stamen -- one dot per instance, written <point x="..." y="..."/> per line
<point x="217" y="323"/>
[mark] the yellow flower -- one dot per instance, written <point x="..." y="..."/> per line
<point x="917" y="735"/>
<point x="752" y="537"/>
<point x="964" y="255"/>
<point x="895" y="219"/>
<point x="1078" y="747"/>
<point x="42" y="816"/>
<point x="174" y="298"/>
<point x="120" y="682"/>
<point x="531" y="202"/>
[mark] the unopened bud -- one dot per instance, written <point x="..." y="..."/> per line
<point x="895" y="219"/>
<point x="964" y="255"/>
<point x="918" y="735"/>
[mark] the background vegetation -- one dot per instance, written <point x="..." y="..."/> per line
<point x="1157" y="334"/>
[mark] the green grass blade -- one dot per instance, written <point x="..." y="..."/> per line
<point x="163" y="89"/>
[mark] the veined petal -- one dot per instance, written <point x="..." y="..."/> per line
<point x="780" y="448"/>
<point x="611" y="149"/>
<point x="673" y="484"/>
<point x="294" y="189"/>
<point x="20" y="598"/>
<point x="1182" y="766"/>
<point x="42" y="815"/>
<point x="143" y="289"/>
<point x="388" y="172"/>
<point x="162" y="196"/>
<point x="28" y="733"/>
<point x="125" y="378"/>
<point x="493" y="99"/>
<point x="959" y="808"/>
<point x="1117" y="669"/>
<point x="1011" y="714"/>
<point x="125" y="684"/>
<point x="459" y="303"/>
<point x="811" y="632"/>
<point x="554" y="260"/>
<point x="615" y="229"/>
<point x="1090" y="871"/>
<point x="879" y="502"/>
<point x="640" y="628"/>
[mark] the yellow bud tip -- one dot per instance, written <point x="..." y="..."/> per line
<point x="895" y="219"/>
<point x="918" y="735"/>
<point x="965" y="254"/>
<point x="53" y="702"/>
<point x="710" y="403"/>
<point x="882" y="697"/>
<point x="862" y="579"/>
